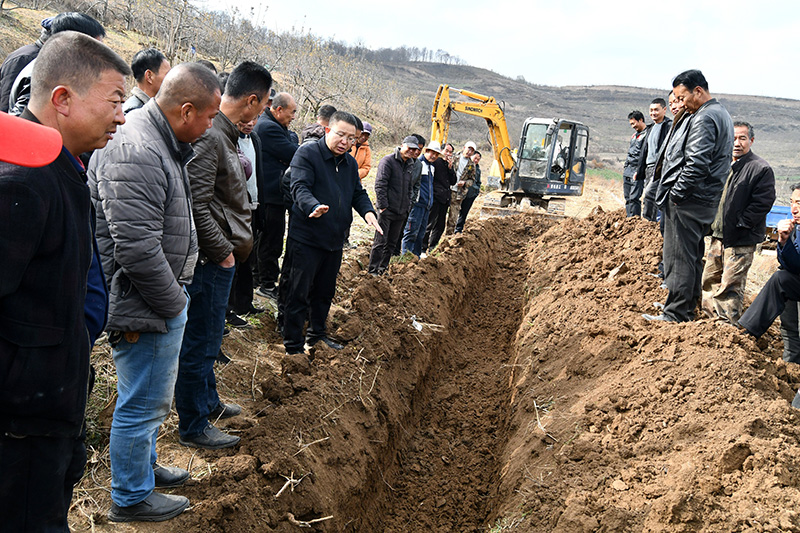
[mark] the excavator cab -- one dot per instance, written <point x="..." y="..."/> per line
<point x="551" y="159"/>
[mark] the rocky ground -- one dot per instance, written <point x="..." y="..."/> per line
<point x="505" y="383"/>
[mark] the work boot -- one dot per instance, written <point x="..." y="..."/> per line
<point x="155" y="508"/>
<point x="169" y="476"/>
<point x="225" y="410"/>
<point x="211" y="439"/>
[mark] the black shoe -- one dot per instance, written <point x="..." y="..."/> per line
<point x="332" y="344"/>
<point x="225" y="410"/>
<point x="226" y="331"/>
<point x="237" y="322"/>
<point x="222" y="357"/>
<point x="155" y="508"/>
<point x="657" y="318"/>
<point x="211" y="439"/>
<point x="169" y="476"/>
<point x="254" y="311"/>
<point x="267" y="292"/>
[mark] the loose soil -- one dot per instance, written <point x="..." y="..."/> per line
<point x="507" y="382"/>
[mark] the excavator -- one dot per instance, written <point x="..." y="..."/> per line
<point x="549" y="164"/>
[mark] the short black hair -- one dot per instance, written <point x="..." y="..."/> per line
<point x="222" y="78"/>
<point x="420" y="139"/>
<point x="144" y="60"/>
<point x="796" y="187"/>
<point x="659" y="101"/>
<point x="359" y="124"/>
<point x="690" y="79"/>
<point x="208" y="64"/>
<point x="450" y="145"/>
<point x="743" y="124"/>
<point x="343" y="116"/>
<point x="80" y="22"/>
<point x="477" y="153"/>
<point x="248" y="78"/>
<point x="635" y="115"/>
<point x="326" y="112"/>
<point x="73" y="59"/>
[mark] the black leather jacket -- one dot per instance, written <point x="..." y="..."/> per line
<point x="698" y="156"/>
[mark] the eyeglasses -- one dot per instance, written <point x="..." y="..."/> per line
<point x="351" y="139"/>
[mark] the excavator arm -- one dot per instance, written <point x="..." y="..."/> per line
<point x="483" y="106"/>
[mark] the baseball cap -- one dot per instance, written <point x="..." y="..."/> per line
<point x="367" y="128"/>
<point x="26" y="143"/>
<point x="470" y="144"/>
<point x="411" y="141"/>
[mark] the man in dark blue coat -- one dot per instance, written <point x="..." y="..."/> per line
<point x="325" y="189"/>
<point x="277" y="150"/>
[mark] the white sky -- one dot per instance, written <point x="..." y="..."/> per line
<point x="741" y="47"/>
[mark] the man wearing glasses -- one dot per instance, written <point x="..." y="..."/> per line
<point x="325" y="188"/>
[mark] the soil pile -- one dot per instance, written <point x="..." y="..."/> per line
<point x="505" y="383"/>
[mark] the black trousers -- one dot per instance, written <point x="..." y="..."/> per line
<point x="685" y="225"/>
<point x="269" y="245"/>
<point x="37" y="476"/>
<point x="437" y="219"/>
<point x="309" y="292"/>
<point x="241" y="298"/>
<point x="778" y="297"/>
<point x="384" y="245"/>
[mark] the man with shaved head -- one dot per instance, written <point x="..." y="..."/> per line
<point x="46" y="247"/>
<point x="147" y="238"/>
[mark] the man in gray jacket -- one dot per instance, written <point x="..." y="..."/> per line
<point x="148" y="243"/>
<point x="691" y="171"/>
<point x="221" y="209"/>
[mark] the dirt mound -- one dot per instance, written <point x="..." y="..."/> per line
<point x="505" y="383"/>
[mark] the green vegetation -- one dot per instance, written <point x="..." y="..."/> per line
<point x="604" y="173"/>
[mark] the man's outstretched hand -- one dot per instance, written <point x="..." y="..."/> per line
<point x="372" y="220"/>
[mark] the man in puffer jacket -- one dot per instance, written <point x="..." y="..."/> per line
<point x="149" y="247"/>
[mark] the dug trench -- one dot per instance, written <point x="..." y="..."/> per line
<point x="505" y="383"/>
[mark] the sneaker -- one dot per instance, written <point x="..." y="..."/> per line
<point x="254" y="311"/>
<point x="169" y="476"/>
<point x="210" y="439"/>
<point x="225" y="410"/>
<point x="155" y="508"/>
<point x="657" y="318"/>
<point x="267" y="292"/>
<point x="332" y="344"/>
<point x="796" y="400"/>
<point x="222" y="357"/>
<point x="226" y="331"/>
<point x="237" y="322"/>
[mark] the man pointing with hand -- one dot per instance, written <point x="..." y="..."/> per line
<point x="325" y="188"/>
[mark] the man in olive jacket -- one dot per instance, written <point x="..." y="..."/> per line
<point x="739" y="226"/>
<point x="221" y="209"/>
<point x="141" y="192"/>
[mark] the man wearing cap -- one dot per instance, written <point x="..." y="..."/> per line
<point x="362" y="152"/>
<point x="394" y="190"/>
<point x="414" y="232"/>
<point x="465" y="177"/>
<point x="45" y="235"/>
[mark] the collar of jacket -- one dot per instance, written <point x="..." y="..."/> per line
<point x="65" y="158"/>
<point x="227" y="128"/>
<point x="400" y="157"/>
<point x="140" y="94"/>
<point x="742" y="160"/>
<point x="326" y="152"/>
<point x="181" y="150"/>
<point x="270" y="116"/>
<point x="712" y="101"/>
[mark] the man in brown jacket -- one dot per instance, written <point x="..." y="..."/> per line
<point x="221" y="210"/>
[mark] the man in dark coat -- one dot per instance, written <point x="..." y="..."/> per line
<point x="277" y="151"/>
<point x="444" y="177"/>
<point x="739" y="226"/>
<point x="653" y="139"/>
<point x="325" y="189"/>
<point x="45" y="235"/>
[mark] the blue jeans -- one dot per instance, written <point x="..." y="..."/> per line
<point x="466" y="205"/>
<point x="146" y="373"/>
<point x="196" y="389"/>
<point x="414" y="232"/>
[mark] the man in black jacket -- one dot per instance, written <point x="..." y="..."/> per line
<point x="444" y="177"/>
<point x="654" y="138"/>
<point x="739" y="225"/>
<point x="46" y="245"/>
<point x="393" y="193"/>
<point x="325" y="189"/>
<point x="277" y="151"/>
<point x="691" y="171"/>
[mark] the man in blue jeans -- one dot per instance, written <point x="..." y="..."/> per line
<point x="221" y="209"/>
<point x="149" y="247"/>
